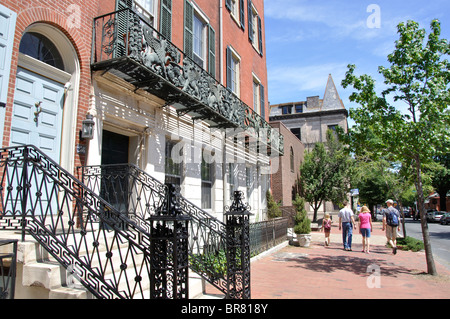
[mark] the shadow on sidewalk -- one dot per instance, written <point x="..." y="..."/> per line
<point x="334" y="258"/>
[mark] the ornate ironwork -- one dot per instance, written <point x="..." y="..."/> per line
<point x="125" y="45"/>
<point x="169" y="249"/>
<point x="238" y="248"/>
<point x="102" y="248"/>
<point x="8" y="259"/>
<point x="267" y="234"/>
<point x="113" y="247"/>
<point x="142" y="196"/>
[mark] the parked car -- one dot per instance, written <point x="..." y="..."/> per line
<point x="445" y="219"/>
<point x="407" y="212"/>
<point x="434" y="216"/>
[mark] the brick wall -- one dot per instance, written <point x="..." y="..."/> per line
<point x="74" y="19"/>
<point x="283" y="178"/>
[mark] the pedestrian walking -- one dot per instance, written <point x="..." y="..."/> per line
<point x="365" y="228"/>
<point x="391" y="223"/>
<point x="346" y="223"/>
<point x="326" y="228"/>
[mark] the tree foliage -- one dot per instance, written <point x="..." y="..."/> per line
<point x="324" y="173"/>
<point x="302" y="222"/>
<point x="417" y="78"/>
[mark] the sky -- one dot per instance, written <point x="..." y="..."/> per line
<point x="306" y="40"/>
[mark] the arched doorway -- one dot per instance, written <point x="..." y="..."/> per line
<point x="45" y="98"/>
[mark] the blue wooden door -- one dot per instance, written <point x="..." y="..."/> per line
<point x="36" y="120"/>
<point x="37" y="113"/>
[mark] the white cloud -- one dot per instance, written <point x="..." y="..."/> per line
<point x="291" y="83"/>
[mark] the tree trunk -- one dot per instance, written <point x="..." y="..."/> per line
<point x="423" y="220"/>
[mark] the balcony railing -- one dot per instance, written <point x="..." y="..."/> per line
<point x="128" y="47"/>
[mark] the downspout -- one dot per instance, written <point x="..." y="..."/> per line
<point x="221" y="39"/>
<point x="224" y="135"/>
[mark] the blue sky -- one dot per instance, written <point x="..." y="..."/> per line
<point x="307" y="40"/>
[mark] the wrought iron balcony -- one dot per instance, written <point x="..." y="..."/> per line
<point x="128" y="47"/>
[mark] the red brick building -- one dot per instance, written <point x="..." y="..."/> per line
<point x="65" y="61"/>
<point x="286" y="175"/>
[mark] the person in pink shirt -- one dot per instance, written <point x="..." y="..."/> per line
<point x="365" y="227"/>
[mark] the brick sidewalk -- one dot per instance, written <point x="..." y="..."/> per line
<point x="320" y="272"/>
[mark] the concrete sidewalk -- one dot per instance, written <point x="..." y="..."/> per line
<point x="321" y="272"/>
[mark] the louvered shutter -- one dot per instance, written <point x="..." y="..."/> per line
<point x="228" y="4"/>
<point x="166" y="19"/>
<point x="122" y="27"/>
<point x="242" y="14"/>
<point x="188" y="29"/>
<point x="229" y="69"/>
<point x="250" y="20"/>
<point x="260" y="36"/>
<point x="7" y="28"/>
<point x="212" y="51"/>
<point x="263" y="107"/>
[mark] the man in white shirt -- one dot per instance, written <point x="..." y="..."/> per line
<point x="346" y="223"/>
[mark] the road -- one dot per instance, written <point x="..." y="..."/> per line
<point x="439" y="235"/>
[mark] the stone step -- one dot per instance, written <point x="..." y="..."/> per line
<point x="54" y="277"/>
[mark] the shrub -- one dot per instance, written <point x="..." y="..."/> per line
<point x="410" y="243"/>
<point x="273" y="210"/>
<point x="302" y="222"/>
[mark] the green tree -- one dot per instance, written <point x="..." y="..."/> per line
<point x="324" y="173"/>
<point x="369" y="178"/>
<point x="302" y="222"/>
<point x="418" y="77"/>
<point x="273" y="209"/>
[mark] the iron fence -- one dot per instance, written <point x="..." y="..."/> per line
<point x="267" y="234"/>
<point x="8" y="259"/>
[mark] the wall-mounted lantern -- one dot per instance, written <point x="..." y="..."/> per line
<point x="87" y="129"/>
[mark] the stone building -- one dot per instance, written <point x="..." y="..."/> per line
<point x="309" y="121"/>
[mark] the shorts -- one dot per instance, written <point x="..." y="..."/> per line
<point x="391" y="232"/>
<point x="365" y="232"/>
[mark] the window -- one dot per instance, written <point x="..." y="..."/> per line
<point x="172" y="164"/>
<point x="292" y="160"/>
<point x="258" y="97"/>
<point x="249" y="182"/>
<point x="255" y="28"/>
<point x="233" y="63"/>
<point x="41" y="48"/>
<point x="333" y="127"/>
<point x="199" y="38"/>
<point x="297" y="132"/>
<point x="298" y="108"/>
<point x="287" y="109"/>
<point x="145" y="8"/>
<point x="231" y="179"/>
<point x="237" y="10"/>
<point x="207" y="182"/>
<point x="199" y="33"/>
